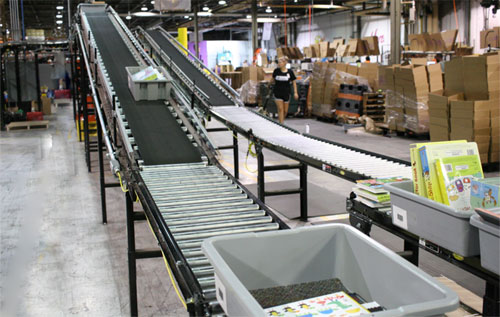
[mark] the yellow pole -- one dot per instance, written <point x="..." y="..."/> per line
<point x="182" y="38"/>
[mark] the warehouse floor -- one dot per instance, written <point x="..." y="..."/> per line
<point x="58" y="259"/>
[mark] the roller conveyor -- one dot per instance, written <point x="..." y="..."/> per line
<point x="344" y="161"/>
<point x="207" y="213"/>
<point x="184" y="199"/>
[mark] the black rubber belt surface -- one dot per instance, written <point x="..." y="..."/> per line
<point x="156" y="132"/>
<point x="216" y="97"/>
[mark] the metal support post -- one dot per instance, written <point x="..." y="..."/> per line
<point x="196" y="32"/>
<point x="73" y="83"/>
<point x="18" y="79"/>
<point x="255" y="35"/>
<point x="236" y="156"/>
<point x="260" y="174"/>
<point x="491" y="300"/>
<point x="83" y="89"/>
<point x="303" y="192"/>
<point x="101" y="175"/>
<point x="37" y="78"/>
<point x="395" y="32"/>
<point x="132" y="273"/>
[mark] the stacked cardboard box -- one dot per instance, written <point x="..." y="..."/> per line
<point x="394" y="109"/>
<point x="493" y="75"/>
<point x="470" y="120"/>
<point x="439" y="114"/>
<point x="318" y="82"/>
<point x="495" y="135"/>
<point x="444" y="41"/>
<point x="369" y="71"/>
<point x="411" y="81"/>
<point x="435" y="77"/>
<point x="254" y="73"/>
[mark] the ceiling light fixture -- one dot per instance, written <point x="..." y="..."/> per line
<point x="153" y="2"/>
<point x="222" y="2"/>
<point x="204" y="14"/>
<point x="268" y="10"/>
<point x="128" y="17"/>
<point x="58" y="27"/>
<point x="144" y="8"/>
<point x="59" y="22"/>
<point x="59" y="7"/>
<point x="206" y="8"/>
<point x="59" y="16"/>
<point x="186" y="17"/>
<point x="249" y="16"/>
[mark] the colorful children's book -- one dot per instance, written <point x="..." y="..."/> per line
<point x="382" y="197"/>
<point x="455" y="176"/>
<point x="373" y="204"/>
<point x="416" y="165"/>
<point x="376" y="185"/>
<point x="485" y="193"/>
<point x="336" y="304"/>
<point x="433" y="151"/>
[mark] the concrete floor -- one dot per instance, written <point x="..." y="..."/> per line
<point x="58" y="259"/>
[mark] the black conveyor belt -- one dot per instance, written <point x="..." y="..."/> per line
<point x="156" y="132"/>
<point x="217" y="97"/>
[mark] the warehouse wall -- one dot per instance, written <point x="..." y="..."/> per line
<point x="477" y="17"/>
<point x="324" y="28"/>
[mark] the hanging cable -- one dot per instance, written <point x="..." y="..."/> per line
<point x="286" y="43"/>
<point x="456" y="20"/>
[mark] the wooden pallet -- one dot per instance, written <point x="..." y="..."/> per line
<point x="27" y="125"/>
<point x="374" y="106"/>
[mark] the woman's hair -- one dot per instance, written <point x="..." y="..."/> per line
<point x="283" y="58"/>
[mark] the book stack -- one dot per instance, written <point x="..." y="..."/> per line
<point x="444" y="171"/>
<point x="371" y="192"/>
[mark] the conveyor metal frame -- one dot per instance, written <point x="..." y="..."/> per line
<point x="260" y="143"/>
<point x="130" y="167"/>
<point x="362" y="217"/>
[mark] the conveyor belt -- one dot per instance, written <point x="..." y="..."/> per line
<point x="333" y="155"/>
<point x="217" y="97"/>
<point x="159" y="137"/>
<point x="197" y="202"/>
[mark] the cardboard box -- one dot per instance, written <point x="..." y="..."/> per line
<point x="490" y="37"/>
<point x="471" y="109"/>
<point x="475" y="83"/>
<point x="353" y="70"/>
<point x="372" y="45"/>
<point x="316" y="50"/>
<point x="438" y="133"/>
<point x="437" y="42"/>
<point x="46" y="105"/>
<point x="454" y="75"/>
<point x="307" y="51"/>
<point x="449" y="38"/>
<point x="369" y="71"/>
<point x="342" y="50"/>
<point x="323" y="49"/>
<point x="336" y="42"/>
<point x="356" y="48"/>
<point x="435" y="77"/>
<point x="254" y="73"/>
<point x="417" y="42"/>
<point x="419" y="61"/>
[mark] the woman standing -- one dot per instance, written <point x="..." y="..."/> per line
<point x="282" y="77"/>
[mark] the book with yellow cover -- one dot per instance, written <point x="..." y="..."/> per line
<point x="433" y="151"/>
<point x="455" y="177"/>
<point x="416" y="165"/>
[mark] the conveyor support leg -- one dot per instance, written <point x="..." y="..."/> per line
<point x="101" y="175"/>
<point x="491" y="300"/>
<point x="132" y="274"/>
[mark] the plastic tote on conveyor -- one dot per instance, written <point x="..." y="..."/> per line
<point x="252" y="261"/>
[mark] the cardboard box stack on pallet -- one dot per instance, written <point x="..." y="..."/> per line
<point x="468" y="108"/>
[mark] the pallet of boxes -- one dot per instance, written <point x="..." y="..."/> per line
<point x="468" y="108"/>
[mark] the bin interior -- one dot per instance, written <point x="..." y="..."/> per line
<point x="363" y="266"/>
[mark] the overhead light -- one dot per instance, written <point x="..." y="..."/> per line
<point x="144" y="8"/>
<point x="7" y="31"/>
<point x="186" y="17"/>
<point x="152" y="1"/>
<point x="262" y="20"/>
<point x="59" y="16"/>
<point x="222" y="2"/>
<point x="249" y="16"/>
<point x="268" y="10"/>
<point x="204" y="14"/>
<point x="1" y="25"/>
<point x="58" y="27"/>
<point x="275" y="16"/>
<point x="295" y="1"/>
<point x="144" y="14"/>
<point x="59" y="7"/>
<point x="59" y="22"/>
<point x="206" y="8"/>
<point x="128" y="17"/>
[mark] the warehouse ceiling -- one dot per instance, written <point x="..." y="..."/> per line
<point x="41" y="14"/>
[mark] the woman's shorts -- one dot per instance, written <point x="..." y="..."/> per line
<point x="285" y="96"/>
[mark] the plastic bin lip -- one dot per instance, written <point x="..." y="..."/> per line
<point x="394" y="188"/>
<point x="449" y="300"/>
<point x="131" y="71"/>
<point x="483" y="225"/>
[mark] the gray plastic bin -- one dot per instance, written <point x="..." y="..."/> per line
<point x="252" y="261"/>
<point x="489" y="242"/>
<point x="433" y="221"/>
<point x="148" y="89"/>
